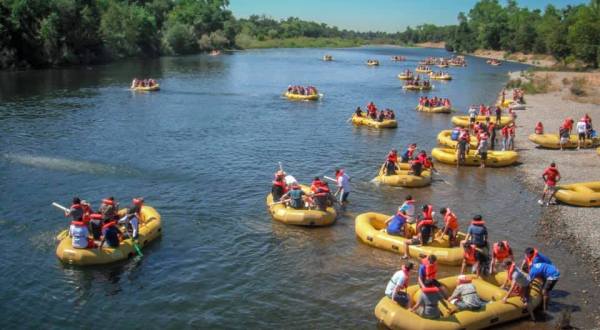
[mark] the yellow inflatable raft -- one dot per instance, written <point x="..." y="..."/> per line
<point x="442" y="65"/>
<point x="417" y="87"/>
<point x="463" y="121"/>
<point x="580" y="194"/>
<point x="444" y="138"/>
<point x="495" y="312"/>
<point x="327" y="58"/>
<point x="440" y="109"/>
<point x="373" y="63"/>
<point x="552" y="141"/>
<point x="442" y="77"/>
<point x="364" y="121"/>
<point x="369" y="228"/>
<point x="299" y="97"/>
<point x="403" y="179"/>
<point x="422" y="70"/>
<point x="405" y="76"/>
<point x="494" y="158"/>
<point x="150" y="229"/>
<point x="304" y="217"/>
<point x="147" y="89"/>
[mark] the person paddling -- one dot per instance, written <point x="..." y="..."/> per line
<point x="76" y="210"/>
<point x="551" y="176"/>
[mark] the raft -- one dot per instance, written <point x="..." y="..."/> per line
<point x="150" y="229"/>
<point x="552" y="141"/>
<point x="364" y="121"/>
<point x="403" y="179"/>
<point x="422" y="70"/>
<point x="444" y="77"/>
<point x="304" y="217"/>
<point x="299" y="97"/>
<point x="444" y="138"/>
<point x="580" y="194"/>
<point x="494" y="158"/>
<point x="373" y="63"/>
<point x="439" y="109"/>
<point x="147" y="89"/>
<point x="369" y="229"/>
<point x="463" y="121"/>
<point x="327" y="58"/>
<point x="405" y="77"/>
<point x="417" y="87"/>
<point x="492" y="314"/>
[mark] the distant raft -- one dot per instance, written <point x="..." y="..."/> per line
<point x="372" y="62"/>
<point x="552" y="141"/>
<point x="494" y="158"/>
<point x="422" y="70"/>
<point x="301" y="97"/>
<point x="495" y="312"/>
<point x="149" y="230"/>
<point x="365" y="121"/>
<point x="463" y="121"/>
<point x="444" y="138"/>
<point x="438" y="109"/>
<point x="403" y="76"/>
<point x="402" y="178"/>
<point x="152" y="88"/>
<point x="440" y="77"/>
<point x="369" y="228"/>
<point x="417" y="87"/>
<point x="301" y="217"/>
<point x="580" y="194"/>
<point x="327" y="58"/>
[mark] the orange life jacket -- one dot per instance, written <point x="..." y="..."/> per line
<point x="78" y="223"/>
<point x="109" y="224"/>
<point x="469" y="255"/>
<point x="500" y="255"/>
<point x="450" y="220"/>
<point x="430" y="269"/>
<point x="392" y="157"/>
<point x="478" y="223"/>
<point x="529" y="260"/>
<point x="428" y="214"/>
<point x="431" y="289"/>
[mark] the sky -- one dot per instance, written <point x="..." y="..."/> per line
<point x="372" y="15"/>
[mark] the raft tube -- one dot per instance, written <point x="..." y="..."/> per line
<point x="494" y="158"/>
<point x="403" y="179"/>
<point x="439" y="109"/>
<point x="463" y="121"/>
<point x="405" y="76"/>
<point x="369" y="228"/>
<point x="299" y="97"/>
<point x="423" y="71"/>
<point x="364" y="121"/>
<point x="303" y="217"/>
<point x="444" y="138"/>
<point x="147" y="89"/>
<point x="417" y="87"/>
<point x="552" y="141"/>
<point x="580" y="194"/>
<point x="444" y="77"/>
<point x="492" y="314"/>
<point x="150" y="229"/>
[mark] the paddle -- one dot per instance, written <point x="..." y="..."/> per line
<point x="58" y="206"/>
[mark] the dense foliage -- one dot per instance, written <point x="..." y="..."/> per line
<point x="53" y="32"/>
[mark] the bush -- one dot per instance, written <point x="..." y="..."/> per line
<point x="578" y="87"/>
<point x="180" y="39"/>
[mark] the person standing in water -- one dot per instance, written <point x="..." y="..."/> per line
<point x="343" y="183"/>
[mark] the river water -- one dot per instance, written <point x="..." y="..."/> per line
<point x="203" y="151"/>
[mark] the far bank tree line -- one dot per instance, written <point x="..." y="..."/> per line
<point x="55" y="32"/>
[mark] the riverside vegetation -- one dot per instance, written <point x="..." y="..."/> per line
<point x="54" y="32"/>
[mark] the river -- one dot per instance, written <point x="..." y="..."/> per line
<point x="203" y="151"/>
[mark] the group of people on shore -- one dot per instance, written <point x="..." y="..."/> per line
<point x="91" y="229"/>
<point x="286" y="190"/>
<point x="373" y="113"/>
<point x="417" y="161"/>
<point x="136" y="83"/>
<point x="434" y="102"/>
<point x="301" y="90"/>
<point x="476" y="254"/>
<point x="585" y="131"/>
<point x="486" y="135"/>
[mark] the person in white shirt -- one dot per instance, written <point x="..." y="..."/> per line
<point x="582" y="132"/>
<point x="409" y="208"/>
<point x="396" y="287"/>
<point x="343" y="183"/>
<point x="79" y="233"/>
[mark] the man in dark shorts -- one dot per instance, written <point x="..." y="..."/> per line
<point x="424" y="230"/>
<point x="461" y="151"/>
<point x="549" y="275"/>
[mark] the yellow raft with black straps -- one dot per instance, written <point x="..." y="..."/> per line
<point x="402" y="178"/>
<point x="494" y="158"/>
<point x="463" y="121"/>
<point x="149" y="230"/>
<point x="147" y="89"/>
<point x="365" y="121"/>
<point x="369" y="228"/>
<point x="579" y="194"/>
<point x="444" y="139"/>
<point x="495" y="312"/>
<point x="300" y="97"/>
<point x="552" y="141"/>
<point x="301" y="217"/>
<point x="440" y="109"/>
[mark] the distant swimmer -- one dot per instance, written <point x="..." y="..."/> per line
<point x="551" y="176"/>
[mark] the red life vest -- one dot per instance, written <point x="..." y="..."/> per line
<point x="511" y="270"/>
<point x="96" y="216"/>
<point x="410" y="152"/>
<point x="450" y="220"/>
<point x="427" y="163"/>
<point x="109" y="224"/>
<point x="78" y="223"/>
<point x="469" y="255"/>
<point x="501" y="255"/>
<point x="428" y="213"/>
<point x="76" y="206"/>
<point x="108" y="201"/>
<point x="431" y="289"/>
<point x="539" y="128"/>
<point x="430" y="269"/>
<point x="478" y="223"/>
<point x="530" y="260"/>
<point x="392" y="157"/>
<point x="315" y="185"/>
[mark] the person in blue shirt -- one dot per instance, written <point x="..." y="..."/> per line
<point x="549" y="275"/>
<point x="395" y="224"/>
<point x="477" y="233"/>
<point x="532" y="256"/>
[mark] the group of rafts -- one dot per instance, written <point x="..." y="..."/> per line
<point x="586" y="194"/>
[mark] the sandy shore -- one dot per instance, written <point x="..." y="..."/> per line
<point x="440" y="44"/>
<point x="578" y="225"/>
<point x="545" y="61"/>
